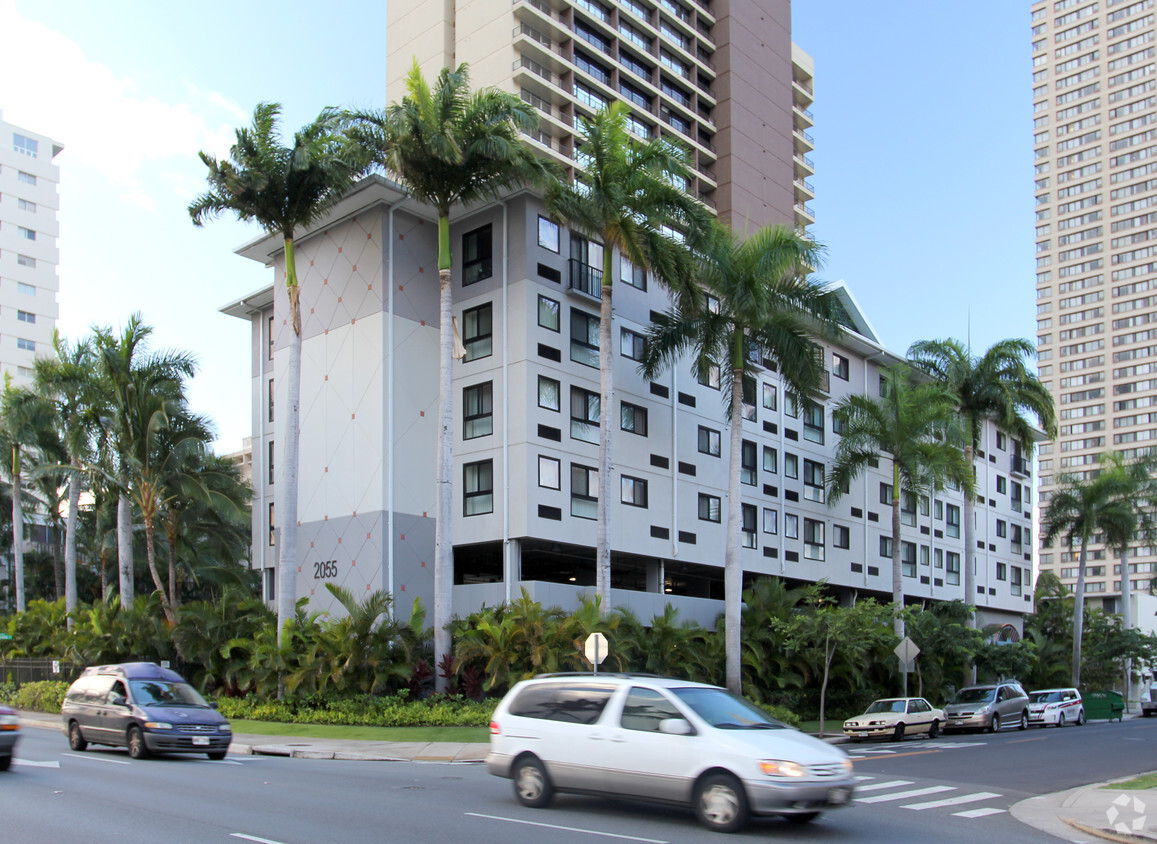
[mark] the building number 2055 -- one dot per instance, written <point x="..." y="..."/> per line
<point x="326" y="568"/>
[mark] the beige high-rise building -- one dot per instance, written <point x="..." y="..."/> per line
<point x="722" y="78"/>
<point x="1095" y="125"/>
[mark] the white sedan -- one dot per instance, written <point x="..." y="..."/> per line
<point x="1055" y="706"/>
<point x="895" y="718"/>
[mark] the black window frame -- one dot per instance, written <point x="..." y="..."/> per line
<point x="718" y="442"/>
<point x="581" y="318"/>
<point x="478" y="255"/>
<point x="478" y="332"/>
<point x="481" y="492"/>
<point x="637" y="484"/>
<point x="557" y="327"/>
<point x="638" y="416"/>
<point x="706" y="499"/>
<point x="638" y="343"/>
<point x="586" y="419"/>
<point x="481" y="395"/>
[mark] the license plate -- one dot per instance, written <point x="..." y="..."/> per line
<point x="200" y="741"/>
<point x="838" y="796"/>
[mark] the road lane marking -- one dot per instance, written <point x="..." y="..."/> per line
<point x="96" y="759"/>
<point x="566" y="828"/>
<point x="863" y="777"/>
<point x="253" y="838"/>
<point x="221" y="762"/>
<point x="1023" y="740"/>
<point x="28" y="763"/>
<point x="952" y="801"/>
<point x="904" y="795"/>
<point x="978" y="813"/>
<point x="878" y="785"/>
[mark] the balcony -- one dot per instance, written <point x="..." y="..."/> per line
<point x="585" y="279"/>
<point x="1020" y="466"/>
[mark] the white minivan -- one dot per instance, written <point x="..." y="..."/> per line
<point x="658" y="738"/>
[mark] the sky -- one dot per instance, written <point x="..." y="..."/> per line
<point x="923" y="158"/>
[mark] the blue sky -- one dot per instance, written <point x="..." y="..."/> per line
<point x="923" y="157"/>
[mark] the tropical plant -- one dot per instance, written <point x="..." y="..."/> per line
<point x="766" y="306"/>
<point x="946" y="640"/>
<point x="626" y="196"/>
<point x="284" y="189"/>
<point x="450" y="146"/>
<point x="912" y="425"/>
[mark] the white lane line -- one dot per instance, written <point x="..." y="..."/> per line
<point x="96" y="758"/>
<point x="222" y="762"/>
<point x="28" y="763"/>
<point x="978" y="813"/>
<point x="863" y="777"/>
<point x="876" y="786"/>
<point x="952" y="801"/>
<point x="904" y="795"/>
<point x="253" y="838"/>
<point x="566" y="828"/>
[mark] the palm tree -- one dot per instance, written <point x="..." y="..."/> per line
<point x="450" y="146"/>
<point x="284" y="189"/>
<point x="912" y="424"/>
<point x="996" y="386"/>
<point x="1080" y="509"/>
<point x="767" y="303"/>
<point x="626" y="195"/>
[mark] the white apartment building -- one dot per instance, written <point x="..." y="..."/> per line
<point x="29" y="254"/>
<point x="1095" y="141"/>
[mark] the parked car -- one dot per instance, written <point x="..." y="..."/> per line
<point x="1056" y="706"/>
<point x="991" y="707"/>
<point x="894" y="718"/>
<point x="9" y="735"/>
<point x="144" y="707"/>
<point x="1149" y="701"/>
<point x="662" y="739"/>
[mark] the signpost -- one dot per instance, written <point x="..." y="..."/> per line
<point x="595" y="650"/>
<point x="906" y="652"/>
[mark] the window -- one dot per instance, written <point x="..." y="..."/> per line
<point x="939" y="556"/>
<point x="813" y="539"/>
<point x="790" y="465"/>
<point x="908" y="509"/>
<point x="708" y="441"/>
<point x="925" y="558"/>
<point x="269" y="332"/>
<point x="632" y="344"/>
<point x="709" y="378"/>
<point x="271" y="525"/>
<point x="952" y="572"/>
<point x="886" y="547"/>
<point x="748" y="469"/>
<point x="938" y="509"/>
<point x="791" y="405"/>
<point x="26" y="178"/>
<point x="1001" y="484"/>
<point x="748" y="518"/>
<point x="549" y="472"/>
<point x="25" y="289"/>
<point x="477" y="332"/>
<point x="478" y="487"/>
<point x="791" y="525"/>
<point x="908" y="559"/>
<point x="709" y="507"/>
<point x="813" y="422"/>
<point x="27" y="234"/>
<point x="1015" y="585"/>
<point x="770" y="520"/>
<point x="25" y="146"/>
<point x="1001" y="527"/>
<point x="269" y="399"/>
<point x="584" y="415"/>
<point x="25" y="261"/>
<point x="646" y="709"/>
<point x="584" y="338"/>
<point x="633" y="418"/>
<point x="839" y="424"/>
<point x="924" y="505"/>
<point x="886" y="494"/>
<point x="269" y="461"/>
<point x="631" y="275"/>
<point x="548" y="311"/>
<point x="478" y="411"/>
<point x="549" y="392"/>
<point x="26" y="316"/>
<point x="813" y="481"/>
<point x="1001" y="441"/>
<point x="952" y="522"/>
<point x="634" y="491"/>
<point x="840" y="366"/>
<point x="841" y="536"/>
<point x="25" y="205"/>
<point x="770" y="459"/>
<point x="769" y="396"/>
<point x="547" y="234"/>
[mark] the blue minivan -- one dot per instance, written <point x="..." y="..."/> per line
<point x="144" y="707"/>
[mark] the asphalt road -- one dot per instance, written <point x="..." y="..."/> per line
<point x="954" y="789"/>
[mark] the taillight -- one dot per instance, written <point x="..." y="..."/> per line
<point x="494" y="730"/>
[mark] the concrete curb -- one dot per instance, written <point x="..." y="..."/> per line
<point x="1109" y="834"/>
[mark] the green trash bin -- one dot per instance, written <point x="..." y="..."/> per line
<point x="1106" y="705"/>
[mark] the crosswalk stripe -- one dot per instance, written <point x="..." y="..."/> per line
<point x="876" y="786"/>
<point x="28" y="763"/>
<point x="904" y="795"/>
<point x="978" y="813"/>
<point x="952" y="801"/>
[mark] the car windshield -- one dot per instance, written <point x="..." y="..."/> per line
<point x="1045" y="697"/>
<point x="887" y="706"/>
<point x="979" y="694"/>
<point x="722" y="709"/>
<point x="165" y="693"/>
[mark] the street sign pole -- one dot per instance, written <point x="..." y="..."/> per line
<point x="906" y="652"/>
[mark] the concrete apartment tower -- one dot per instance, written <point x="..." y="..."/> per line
<point x="722" y="78"/>
<point x="1095" y="142"/>
<point x="29" y="204"/>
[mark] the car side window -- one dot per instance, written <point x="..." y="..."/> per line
<point x="645" y="708"/>
<point x="573" y="702"/>
<point x="117" y="690"/>
<point x="96" y="693"/>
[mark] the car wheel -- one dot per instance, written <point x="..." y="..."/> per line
<point x="216" y="755"/>
<point x="898" y="733"/>
<point x="5" y="763"/>
<point x="136" y="740"/>
<point x="1023" y="725"/>
<point x="1061" y="720"/>
<point x="1081" y="718"/>
<point x="802" y="817"/>
<point x="994" y="724"/>
<point x="720" y="803"/>
<point x="75" y="737"/>
<point x="532" y="786"/>
<point x="934" y="730"/>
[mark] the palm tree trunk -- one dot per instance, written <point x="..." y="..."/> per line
<point x="1079" y="613"/>
<point x="70" y="540"/>
<point x="171" y="539"/>
<point x="606" y="412"/>
<point x="17" y="532"/>
<point x="1126" y="616"/>
<point x="829" y="652"/>
<point x="732" y="566"/>
<point x="897" y="568"/>
<point x="287" y="538"/>
<point x="444" y="488"/>
<point x="151" y="556"/>
<point x="125" y="548"/>
<point x="969" y="545"/>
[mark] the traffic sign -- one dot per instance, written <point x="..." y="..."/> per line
<point x="7" y="637"/>
<point x="906" y="650"/>
<point x="595" y="649"/>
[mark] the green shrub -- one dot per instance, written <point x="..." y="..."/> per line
<point x="7" y="693"/>
<point x="362" y="710"/>
<point x="784" y="714"/>
<point x="42" y="696"/>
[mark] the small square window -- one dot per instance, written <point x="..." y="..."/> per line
<point x="26" y="205"/>
<point x="27" y="234"/>
<point x="631" y="275"/>
<point x="633" y="418"/>
<point x="840" y="366"/>
<point x="548" y="313"/>
<point x="547" y="234"/>
<point x="549" y="472"/>
<point x="26" y="316"/>
<point x="841" y="536"/>
<point x="709" y="507"/>
<point x="27" y="178"/>
<point x="477" y="332"/>
<point x="710" y="378"/>
<point x="478" y="488"/>
<point x="634" y="491"/>
<point x="26" y="345"/>
<point x="477" y="255"/>
<point x="632" y="345"/>
<point x="708" y="441"/>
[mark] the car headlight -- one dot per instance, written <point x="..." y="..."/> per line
<point x="782" y="768"/>
<point x="225" y="728"/>
<point x="157" y="725"/>
<point x="876" y="723"/>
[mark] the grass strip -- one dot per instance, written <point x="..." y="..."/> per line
<point x="339" y="732"/>
<point x="1137" y="783"/>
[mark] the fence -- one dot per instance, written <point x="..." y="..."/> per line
<point x="21" y="671"/>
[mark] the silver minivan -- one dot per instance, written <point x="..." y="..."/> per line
<point x="992" y="707"/>
<point x="663" y="739"/>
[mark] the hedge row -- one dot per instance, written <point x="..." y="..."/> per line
<point x="41" y="696"/>
<point x="364" y="710"/>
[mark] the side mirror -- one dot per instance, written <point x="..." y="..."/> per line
<point x="213" y="704"/>
<point x="675" y="727"/>
<point x="119" y="701"/>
